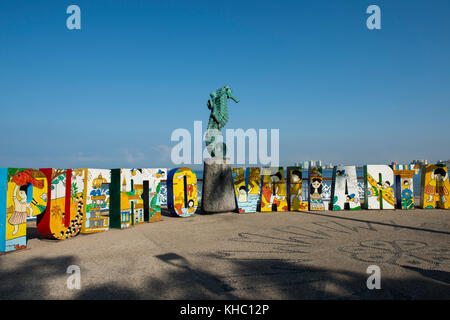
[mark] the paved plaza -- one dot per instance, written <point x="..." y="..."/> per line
<point x="280" y="255"/>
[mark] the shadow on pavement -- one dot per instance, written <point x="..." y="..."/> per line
<point x="371" y="222"/>
<point x="269" y="279"/>
<point x="29" y="280"/>
<point x="438" y="275"/>
<point x="241" y="279"/>
<point x="244" y="279"/>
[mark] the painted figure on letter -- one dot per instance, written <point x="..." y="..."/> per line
<point x="436" y="186"/>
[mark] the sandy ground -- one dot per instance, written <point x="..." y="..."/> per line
<point x="284" y="255"/>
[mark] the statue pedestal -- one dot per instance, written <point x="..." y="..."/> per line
<point x="218" y="189"/>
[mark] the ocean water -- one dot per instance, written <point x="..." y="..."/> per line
<point x="327" y="173"/>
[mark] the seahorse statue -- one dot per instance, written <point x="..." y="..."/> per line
<point x="218" y="104"/>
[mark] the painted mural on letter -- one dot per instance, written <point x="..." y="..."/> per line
<point x="246" y="187"/>
<point x="154" y="177"/>
<point x="97" y="201"/>
<point x="24" y="193"/>
<point x="379" y="187"/>
<point x="65" y="210"/>
<point x="182" y="197"/>
<point x="295" y="184"/>
<point x="316" y="189"/>
<point x="404" y="185"/>
<point x="274" y="194"/>
<point x="435" y="187"/>
<point x="344" y="189"/>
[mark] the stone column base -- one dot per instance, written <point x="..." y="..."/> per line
<point x="218" y="189"/>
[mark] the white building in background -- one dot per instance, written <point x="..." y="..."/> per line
<point x="311" y="163"/>
<point x="314" y="163"/>
<point x="305" y="165"/>
<point x="424" y="162"/>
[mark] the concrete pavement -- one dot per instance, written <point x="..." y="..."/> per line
<point x="284" y="255"/>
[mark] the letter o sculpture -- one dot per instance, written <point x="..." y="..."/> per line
<point x="182" y="197"/>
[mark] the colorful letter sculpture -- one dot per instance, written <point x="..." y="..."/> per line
<point x="378" y="187"/>
<point x="315" y="189"/>
<point x="435" y="188"/>
<point x="344" y="188"/>
<point x="69" y="201"/>
<point x="246" y="188"/>
<point x="295" y="183"/>
<point x="23" y="192"/>
<point x="153" y="177"/>
<point x="404" y="174"/>
<point x="135" y="196"/>
<point x="182" y="197"/>
<point x="63" y="216"/>
<point x="97" y="201"/>
<point x="274" y="195"/>
<point x="126" y="206"/>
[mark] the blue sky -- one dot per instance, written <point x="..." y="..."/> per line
<point x="110" y="94"/>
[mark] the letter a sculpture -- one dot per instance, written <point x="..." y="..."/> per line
<point x="218" y="190"/>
